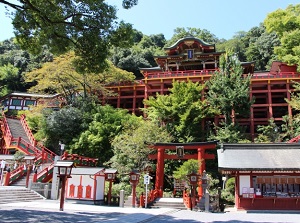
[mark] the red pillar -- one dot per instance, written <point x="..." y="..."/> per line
<point x="109" y="193"/>
<point x="201" y="159"/>
<point x="34" y="179"/>
<point x="7" y="177"/>
<point x="133" y="202"/>
<point x="237" y="191"/>
<point x="159" y="183"/>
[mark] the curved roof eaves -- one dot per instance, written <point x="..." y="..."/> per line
<point x="187" y="39"/>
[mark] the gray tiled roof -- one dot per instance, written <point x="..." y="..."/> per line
<point x="263" y="156"/>
<point x="87" y="170"/>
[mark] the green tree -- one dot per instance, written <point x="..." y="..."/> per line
<point x="131" y="146"/>
<point x="15" y="62"/>
<point x="291" y="124"/>
<point x="100" y="126"/>
<point x="261" y="47"/>
<point x="89" y="27"/>
<point x="140" y="55"/>
<point x="188" y="167"/>
<point x="9" y="79"/>
<point x="268" y="133"/>
<point x="61" y="77"/>
<point x="181" y="111"/>
<point x="228" y="93"/>
<point x="62" y="126"/>
<point x="229" y="89"/>
<point x="286" y="24"/>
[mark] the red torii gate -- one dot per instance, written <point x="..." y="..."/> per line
<point x="160" y="156"/>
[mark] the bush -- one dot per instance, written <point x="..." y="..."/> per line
<point x="227" y="195"/>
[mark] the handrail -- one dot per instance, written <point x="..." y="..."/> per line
<point x="153" y="194"/>
<point x="186" y="199"/>
<point x="295" y="139"/>
<point x="39" y="146"/>
<point x="180" y="73"/>
<point x="16" y="174"/>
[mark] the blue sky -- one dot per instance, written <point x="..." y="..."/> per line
<point x="222" y="18"/>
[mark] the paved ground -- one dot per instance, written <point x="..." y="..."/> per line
<point x="48" y="211"/>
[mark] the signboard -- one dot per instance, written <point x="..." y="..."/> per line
<point x="190" y="54"/>
<point x="3" y="164"/>
<point x="146" y="179"/>
<point x="179" y="185"/>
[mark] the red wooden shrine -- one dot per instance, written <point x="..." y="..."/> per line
<point x="192" y="59"/>
<point x="180" y="148"/>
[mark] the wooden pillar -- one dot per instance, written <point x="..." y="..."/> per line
<point x="7" y="178"/>
<point x="288" y="95"/>
<point x="119" y="98"/>
<point x="237" y="191"/>
<point x="159" y="183"/>
<point x="201" y="159"/>
<point x="270" y="114"/>
<point x="251" y="115"/>
<point x="134" y="100"/>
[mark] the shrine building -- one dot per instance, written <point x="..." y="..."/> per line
<point x="191" y="59"/>
<point x="267" y="175"/>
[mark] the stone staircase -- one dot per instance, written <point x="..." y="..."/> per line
<point x="175" y="203"/>
<point x="22" y="181"/>
<point x="17" y="129"/>
<point x="13" y="194"/>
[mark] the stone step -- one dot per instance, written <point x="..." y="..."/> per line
<point x="175" y="203"/>
<point x="13" y="194"/>
<point x="17" y="129"/>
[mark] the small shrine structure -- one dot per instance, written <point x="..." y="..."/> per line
<point x="267" y="175"/>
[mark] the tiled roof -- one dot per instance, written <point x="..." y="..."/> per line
<point x="87" y="170"/>
<point x="263" y="156"/>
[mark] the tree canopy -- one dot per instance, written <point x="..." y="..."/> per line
<point x="181" y="111"/>
<point x="286" y="24"/>
<point x="87" y="27"/>
<point x="61" y="77"/>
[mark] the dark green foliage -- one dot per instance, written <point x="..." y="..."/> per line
<point x="14" y="62"/>
<point x="268" y="133"/>
<point x="102" y="124"/>
<point x="229" y="89"/>
<point x="181" y="111"/>
<point x="87" y="27"/>
<point x="62" y="126"/>
<point x="131" y="146"/>
<point x="228" y="193"/>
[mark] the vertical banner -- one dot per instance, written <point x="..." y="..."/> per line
<point x="190" y="54"/>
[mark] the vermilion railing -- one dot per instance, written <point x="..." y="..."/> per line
<point x="185" y="73"/>
<point x="187" y="199"/>
<point x="153" y="194"/>
<point x="33" y="148"/>
<point x="46" y="155"/>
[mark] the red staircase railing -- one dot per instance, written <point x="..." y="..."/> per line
<point x="46" y="155"/>
<point x="294" y="140"/>
<point x="153" y="194"/>
<point x="43" y="155"/>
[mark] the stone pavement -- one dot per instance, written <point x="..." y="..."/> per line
<point x="48" y="211"/>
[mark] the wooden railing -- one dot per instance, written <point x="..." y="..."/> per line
<point x="294" y="140"/>
<point x="153" y="194"/>
<point x="187" y="199"/>
<point x="41" y="153"/>
<point x="46" y="155"/>
<point x="185" y="73"/>
<point x="273" y="76"/>
<point x="16" y="174"/>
